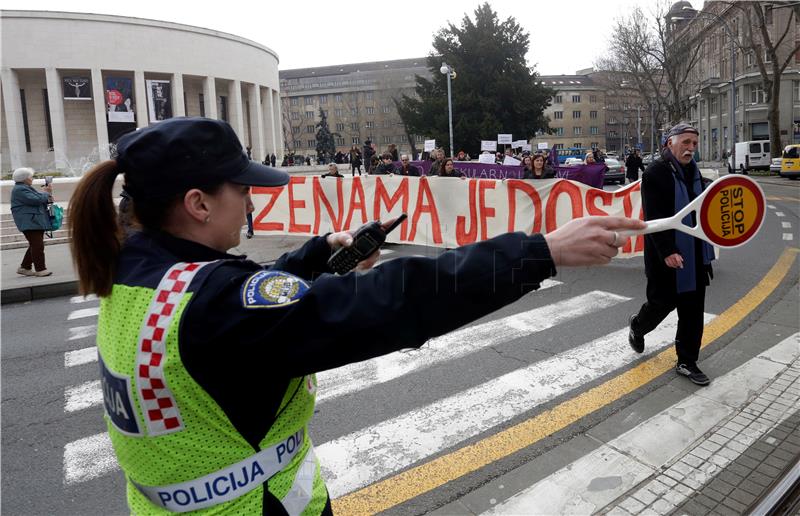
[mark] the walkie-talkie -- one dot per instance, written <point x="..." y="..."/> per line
<point x="366" y="241"/>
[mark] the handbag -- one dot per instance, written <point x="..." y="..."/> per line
<point x="56" y="214"/>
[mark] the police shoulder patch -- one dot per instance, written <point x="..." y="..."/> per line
<point x="272" y="289"/>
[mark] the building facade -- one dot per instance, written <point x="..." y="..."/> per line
<point x="73" y="83"/>
<point x="709" y="84"/>
<point x="358" y="101"/>
<point x="576" y="113"/>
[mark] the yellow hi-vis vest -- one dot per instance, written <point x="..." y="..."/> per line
<point x="175" y="444"/>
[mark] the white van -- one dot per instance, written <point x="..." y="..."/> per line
<point x="750" y="156"/>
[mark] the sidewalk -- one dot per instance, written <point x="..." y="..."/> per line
<point x="64" y="281"/>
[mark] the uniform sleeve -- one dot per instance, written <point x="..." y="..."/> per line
<point x="307" y="262"/>
<point x="345" y="319"/>
<point x="658" y="201"/>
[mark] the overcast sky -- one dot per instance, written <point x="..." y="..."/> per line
<point x="565" y="35"/>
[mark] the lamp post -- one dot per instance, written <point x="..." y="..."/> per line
<point x="727" y="29"/>
<point x="451" y="74"/>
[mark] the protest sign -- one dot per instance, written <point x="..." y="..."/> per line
<point x="488" y="145"/>
<point x="430" y="145"/>
<point x="504" y="139"/>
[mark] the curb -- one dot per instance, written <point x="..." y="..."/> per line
<point x="33" y="293"/>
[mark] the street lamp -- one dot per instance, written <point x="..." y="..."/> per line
<point x="451" y="74"/>
<point x="727" y="29"/>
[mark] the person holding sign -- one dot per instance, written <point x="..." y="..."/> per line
<point x="677" y="265"/>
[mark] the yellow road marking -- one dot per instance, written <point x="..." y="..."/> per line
<point x="433" y="474"/>
<point x="769" y="198"/>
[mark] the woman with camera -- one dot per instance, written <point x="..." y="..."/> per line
<point x="29" y="209"/>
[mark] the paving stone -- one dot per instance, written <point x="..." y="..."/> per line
<point x="736" y="427"/>
<point x="728" y="453"/>
<point x="618" y="511"/>
<point x="701" y="453"/>
<point x="674" y="497"/>
<point x="779" y="434"/>
<point x="657" y="488"/>
<point x="717" y="438"/>
<point x="754" y="454"/>
<point x="719" y="460"/>
<point x="644" y="496"/>
<point x="776" y="462"/>
<point x="782" y="454"/>
<point x="740" y="508"/>
<point x="673" y="473"/>
<point x="721" y="486"/>
<point x="730" y="477"/>
<point x="692" y="483"/>
<point x="793" y="439"/>
<point x="692" y="460"/>
<point x="667" y="480"/>
<point x="632" y="505"/>
<point x="684" y="490"/>
<point x="747" y="462"/>
<point x="742" y="496"/>
<point x="764" y="447"/>
<point x="743" y="418"/>
<point x="724" y="432"/>
<point x="736" y="446"/>
<point x="714" y="494"/>
<point x="791" y="448"/>
<point x="768" y="470"/>
<point x="760" y="479"/>
<point x="692" y="508"/>
<point x="682" y="468"/>
<point x="662" y="506"/>
<point x="708" y="446"/>
<point x="706" y="501"/>
<point x="751" y="487"/>
<point x="739" y="469"/>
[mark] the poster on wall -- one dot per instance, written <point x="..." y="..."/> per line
<point x="119" y="99"/>
<point x="77" y="88"/>
<point x="159" y="100"/>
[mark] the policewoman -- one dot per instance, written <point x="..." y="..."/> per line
<point x="207" y="359"/>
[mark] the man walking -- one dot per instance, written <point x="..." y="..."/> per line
<point x="632" y="166"/>
<point x="677" y="265"/>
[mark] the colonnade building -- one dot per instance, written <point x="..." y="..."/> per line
<point x="72" y="84"/>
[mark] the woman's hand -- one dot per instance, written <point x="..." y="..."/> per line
<point x="589" y="240"/>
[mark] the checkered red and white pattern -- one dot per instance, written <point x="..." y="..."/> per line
<point x="161" y="412"/>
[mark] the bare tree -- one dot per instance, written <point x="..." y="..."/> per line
<point x="772" y="51"/>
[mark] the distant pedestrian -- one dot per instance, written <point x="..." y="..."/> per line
<point x="249" y="153"/>
<point x="272" y="159"/>
<point x="355" y="160"/>
<point x="29" y="209"/>
<point x="632" y="166"/>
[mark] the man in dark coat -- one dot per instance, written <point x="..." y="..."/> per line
<point x="632" y="166"/>
<point x="677" y="265"/>
<point x="406" y="168"/>
<point x="366" y="154"/>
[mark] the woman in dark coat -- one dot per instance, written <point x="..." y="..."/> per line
<point x="29" y="209"/>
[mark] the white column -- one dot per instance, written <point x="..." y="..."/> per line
<point x="235" y="103"/>
<point x="12" y="105"/>
<point x="210" y="97"/>
<point x="276" y="121"/>
<point x="140" y="94"/>
<point x="55" y="97"/>
<point x="178" y="108"/>
<point x="269" y="129"/>
<point x="257" y="124"/>
<point x="100" y="109"/>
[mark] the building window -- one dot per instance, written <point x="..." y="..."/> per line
<point x="712" y="106"/>
<point x="796" y="91"/>
<point x="339" y="140"/>
<point x="223" y="108"/>
<point x="387" y="124"/>
<point x="559" y="131"/>
<point x="594" y="130"/>
<point x="750" y="59"/>
<point x="592" y="98"/>
<point x="387" y="139"/>
<point x="757" y="94"/>
<point x="310" y="129"/>
<point x="558" y="146"/>
<point x="337" y="97"/>
<point x="337" y="112"/>
<point x="323" y="99"/>
<point x="309" y="115"/>
<point x="370" y="110"/>
<point x="557" y="99"/>
<point x="295" y="115"/>
<point x="385" y="109"/>
<point x="558" y="115"/>
<point x="202" y="105"/>
<point x="370" y="125"/>
<point x="578" y="145"/>
<point x="612" y="134"/>
<point x="593" y="114"/>
<point x="312" y="144"/>
<point x="354" y="111"/>
<point x="595" y="145"/>
<point x="340" y="126"/>
<point x="354" y="126"/>
<point x="354" y="96"/>
<point x="577" y="130"/>
<point x="46" y="102"/>
<point x="298" y="144"/>
<point x="576" y="98"/>
<point x="309" y="101"/>
<point x="576" y="114"/>
<point x="356" y="140"/>
<point x="296" y="130"/>
<point x="295" y="101"/>
<point x="419" y="139"/>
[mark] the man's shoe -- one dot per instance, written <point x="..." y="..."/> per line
<point x="693" y="373"/>
<point x="25" y="272"/>
<point x="249" y="234"/>
<point x="636" y="341"/>
<point x="43" y="272"/>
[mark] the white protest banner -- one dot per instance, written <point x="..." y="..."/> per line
<point x="486" y="158"/>
<point x="504" y="139"/>
<point x="526" y="147"/>
<point x="517" y="144"/>
<point x="442" y="212"/>
<point x="430" y="145"/>
<point x="508" y="160"/>
<point x="488" y="145"/>
<point x="542" y="146"/>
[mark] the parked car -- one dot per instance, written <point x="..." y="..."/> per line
<point x="790" y="162"/>
<point x="573" y="161"/>
<point x="749" y="156"/>
<point x="775" y="166"/>
<point x="647" y="159"/>
<point x="615" y="172"/>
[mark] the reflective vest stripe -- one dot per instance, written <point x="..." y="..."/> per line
<point x="239" y="479"/>
<point x="302" y="489"/>
<point x="160" y="410"/>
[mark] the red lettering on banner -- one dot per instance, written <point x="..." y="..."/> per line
<point x="425" y="192"/>
<point x="294" y="227"/>
<point x="356" y="189"/>
<point x="274" y="192"/>
<point x="627" y="206"/>
<point x="462" y="236"/>
<point x="319" y="195"/>
<point x="486" y="212"/>
<point x="381" y="194"/>
<point x="591" y="198"/>
<point x="513" y="185"/>
<point x="574" y="193"/>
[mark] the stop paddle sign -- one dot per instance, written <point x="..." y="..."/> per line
<point x="729" y="213"/>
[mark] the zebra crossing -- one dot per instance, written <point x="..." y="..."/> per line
<point x="366" y="455"/>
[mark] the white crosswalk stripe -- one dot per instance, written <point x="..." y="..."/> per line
<point x="80" y="356"/>
<point x="83" y="313"/>
<point x="81" y="332"/>
<point x="83" y="396"/>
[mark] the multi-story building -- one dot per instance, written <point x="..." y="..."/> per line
<point x="358" y="100"/>
<point x="709" y="84"/>
<point x="576" y="112"/>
